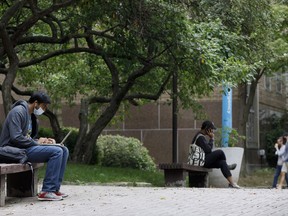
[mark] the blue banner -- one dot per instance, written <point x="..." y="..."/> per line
<point x="226" y="115"/>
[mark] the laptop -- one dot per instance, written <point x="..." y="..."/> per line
<point x="61" y="143"/>
<point x="64" y="139"/>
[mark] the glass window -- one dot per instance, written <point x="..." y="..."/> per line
<point x="250" y="131"/>
<point x="279" y="83"/>
<point x="267" y="83"/>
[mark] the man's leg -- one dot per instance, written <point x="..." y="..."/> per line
<point x="283" y="173"/>
<point x="53" y="155"/>
<point x="63" y="166"/>
<point x="276" y="175"/>
<point x="286" y="177"/>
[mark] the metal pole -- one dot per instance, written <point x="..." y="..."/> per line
<point x="174" y="119"/>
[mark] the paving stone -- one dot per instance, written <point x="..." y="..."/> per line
<point x="146" y="201"/>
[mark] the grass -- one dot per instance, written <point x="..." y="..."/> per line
<point x="86" y="174"/>
<point x="83" y="174"/>
<point x="260" y="178"/>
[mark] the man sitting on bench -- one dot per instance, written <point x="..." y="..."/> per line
<point x="20" y="130"/>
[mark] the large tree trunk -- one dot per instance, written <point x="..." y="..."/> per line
<point x="6" y="89"/>
<point x="55" y="125"/>
<point x="81" y="144"/>
<point x="11" y="71"/>
<point x="248" y="103"/>
<point x="85" y="146"/>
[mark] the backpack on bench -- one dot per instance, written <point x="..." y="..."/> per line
<point x="9" y="154"/>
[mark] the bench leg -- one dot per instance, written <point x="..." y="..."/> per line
<point x="35" y="181"/>
<point x="198" y="179"/>
<point x="22" y="184"/>
<point x="2" y="192"/>
<point x="174" y="178"/>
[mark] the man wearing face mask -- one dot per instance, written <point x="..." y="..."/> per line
<point x="20" y="130"/>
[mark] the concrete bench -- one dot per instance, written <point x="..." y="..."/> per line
<point x="175" y="174"/>
<point x="20" y="180"/>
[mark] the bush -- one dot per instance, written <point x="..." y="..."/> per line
<point x="45" y="132"/>
<point x="234" y="137"/>
<point x="118" y="151"/>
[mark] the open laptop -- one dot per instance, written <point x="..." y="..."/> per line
<point x="62" y="142"/>
<point x="64" y="139"/>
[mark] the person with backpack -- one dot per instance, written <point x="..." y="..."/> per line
<point x="20" y="130"/>
<point x="217" y="158"/>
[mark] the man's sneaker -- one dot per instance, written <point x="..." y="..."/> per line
<point x="234" y="185"/>
<point x="49" y="196"/>
<point x="232" y="166"/>
<point x="58" y="193"/>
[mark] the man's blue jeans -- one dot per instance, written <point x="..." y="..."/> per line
<point x="277" y="174"/>
<point x="56" y="158"/>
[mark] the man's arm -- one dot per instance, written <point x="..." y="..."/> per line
<point x="206" y="146"/>
<point x="17" y="137"/>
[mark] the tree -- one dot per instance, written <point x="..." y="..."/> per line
<point x="263" y="27"/>
<point x="18" y="20"/>
<point x="110" y="52"/>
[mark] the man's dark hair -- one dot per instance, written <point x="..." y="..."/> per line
<point x="208" y="125"/>
<point x="284" y="139"/>
<point x="39" y="96"/>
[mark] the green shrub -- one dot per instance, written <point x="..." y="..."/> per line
<point x="234" y="137"/>
<point x="45" y="132"/>
<point x="118" y="151"/>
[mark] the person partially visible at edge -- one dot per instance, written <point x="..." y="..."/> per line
<point x="217" y="158"/>
<point x="284" y="169"/>
<point x="280" y="149"/>
<point x="20" y="130"/>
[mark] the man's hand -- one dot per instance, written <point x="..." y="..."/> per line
<point x="44" y="140"/>
<point x="210" y="133"/>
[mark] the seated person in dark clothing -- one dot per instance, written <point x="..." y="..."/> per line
<point x="217" y="158"/>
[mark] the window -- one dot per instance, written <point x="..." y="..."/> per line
<point x="278" y="83"/>
<point x="251" y="136"/>
<point x="267" y="81"/>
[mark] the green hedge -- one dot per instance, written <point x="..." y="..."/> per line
<point x="119" y="151"/>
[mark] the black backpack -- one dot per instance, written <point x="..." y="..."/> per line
<point x="9" y="154"/>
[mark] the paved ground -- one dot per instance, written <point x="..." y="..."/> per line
<point x="138" y="201"/>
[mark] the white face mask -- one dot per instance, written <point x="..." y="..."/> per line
<point x="39" y="111"/>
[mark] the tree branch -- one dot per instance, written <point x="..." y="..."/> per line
<point x="57" y="53"/>
<point x="93" y="100"/>
<point x="11" y="12"/>
<point x="20" y="92"/>
<point x="150" y="96"/>
<point x="23" y="28"/>
<point x="131" y="97"/>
